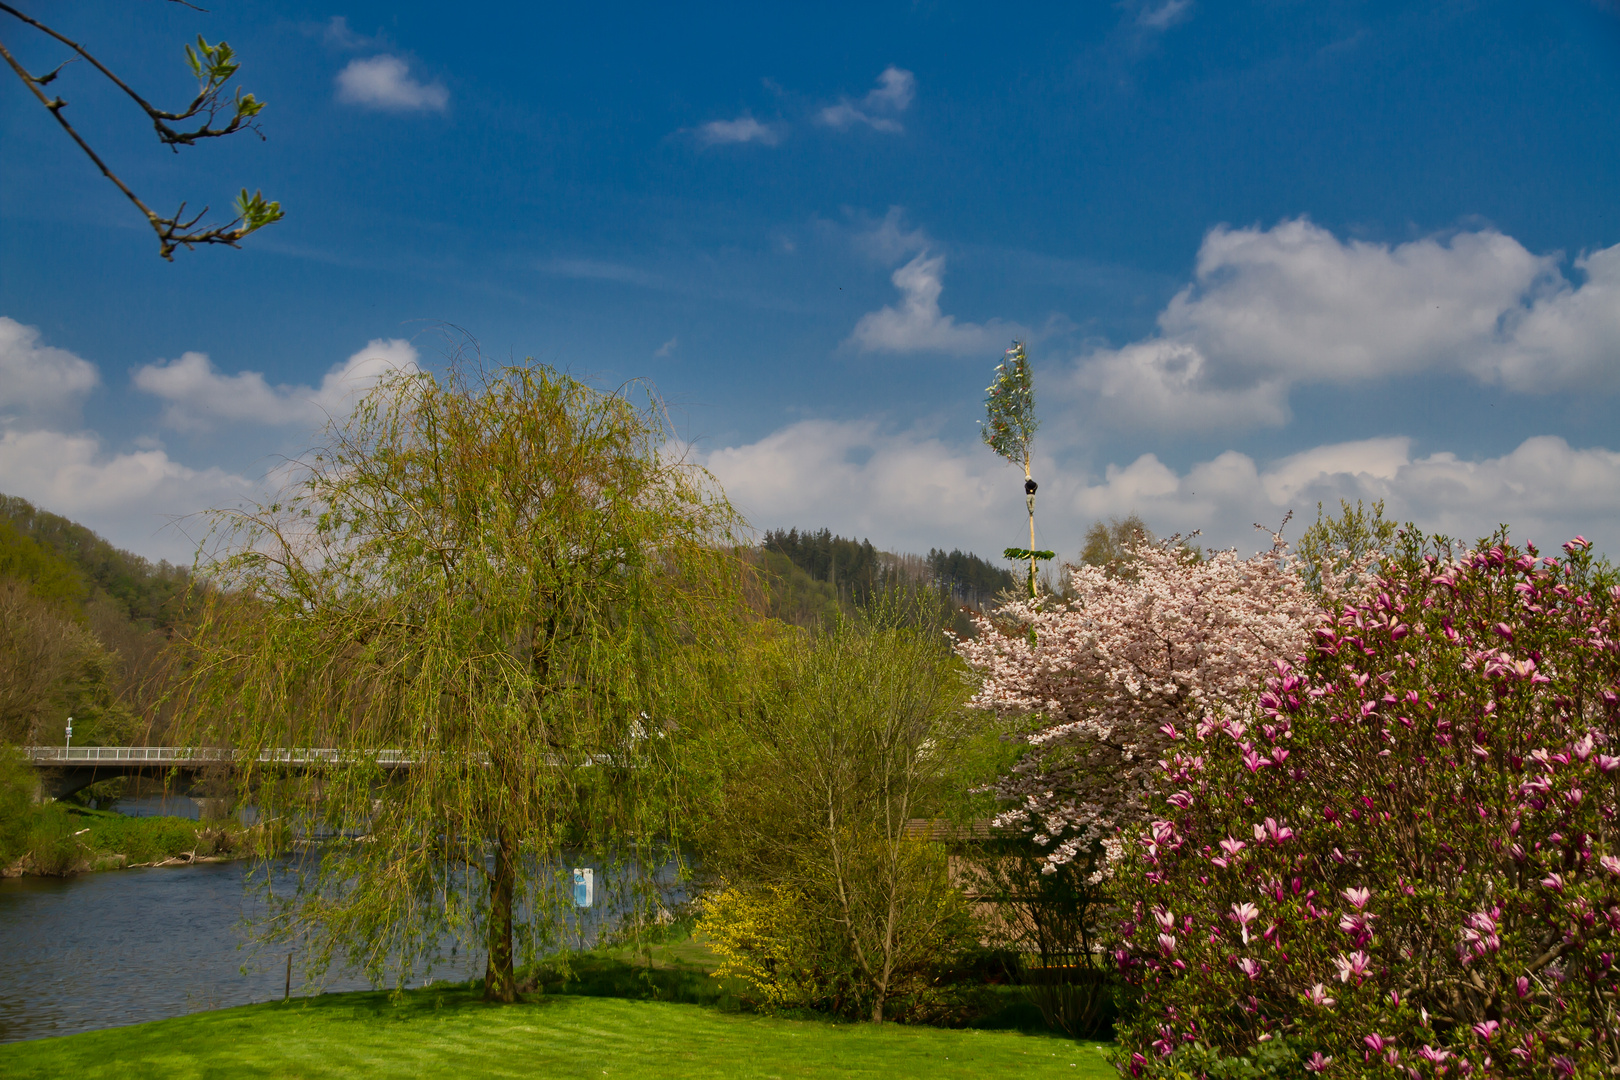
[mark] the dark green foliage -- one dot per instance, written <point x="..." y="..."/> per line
<point x="1047" y="918"/>
<point x="49" y="576"/>
<point x="969" y="579"/>
<point x="59" y="838"/>
<point x="150" y="839"/>
<point x="53" y="667"/>
<point x="795" y="597"/>
<point x="855" y="572"/>
<point x="53" y="849"/>
<point x="121" y="609"/>
<point x="851" y="567"/>
<point x="145" y="593"/>
<point x="17" y="784"/>
<point x="1274" y="1057"/>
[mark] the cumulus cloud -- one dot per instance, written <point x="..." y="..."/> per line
<point x="384" y="82"/>
<point x="39" y="381"/>
<point x="1269" y="309"/>
<point x="905" y="490"/>
<point x="911" y="491"/>
<point x="917" y="324"/>
<point x="142" y="500"/>
<point x="893" y="94"/>
<point x="744" y="129"/>
<point x="200" y="397"/>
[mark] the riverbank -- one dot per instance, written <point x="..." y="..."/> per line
<point x="450" y="1032"/>
<point x="64" y="839"/>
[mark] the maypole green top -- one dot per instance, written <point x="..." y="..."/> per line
<point x="1009" y="427"/>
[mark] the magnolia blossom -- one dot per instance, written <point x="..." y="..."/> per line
<point x="1245" y="914"/>
<point x="1122" y="670"/>
<point x="1353" y="966"/>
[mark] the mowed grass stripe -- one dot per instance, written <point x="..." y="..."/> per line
<point x="435" y="1033"/>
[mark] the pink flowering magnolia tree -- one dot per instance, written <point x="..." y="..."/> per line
<point x="1404" y="861"/>
<point x="1118" y="672"/>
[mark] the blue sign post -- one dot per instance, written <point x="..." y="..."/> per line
<point x="584" y="887"/>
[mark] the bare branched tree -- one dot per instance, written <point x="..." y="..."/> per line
<point x="215" y="114"/>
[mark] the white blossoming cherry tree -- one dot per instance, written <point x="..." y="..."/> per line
<point x="1112" y="675"/>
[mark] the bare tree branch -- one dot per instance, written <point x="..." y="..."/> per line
<point x="214" y="66"/>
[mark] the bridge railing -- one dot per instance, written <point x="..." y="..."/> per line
<point x="198" y="756"/>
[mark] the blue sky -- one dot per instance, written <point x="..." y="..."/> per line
<point x="1263" y="253"/>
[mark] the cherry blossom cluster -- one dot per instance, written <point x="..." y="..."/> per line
<point x="1112" y="678"/>
<point x="1403" y="858"/>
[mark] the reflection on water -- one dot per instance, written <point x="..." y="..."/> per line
<point x="165" y="805"/>
<point x="100" y="950"/>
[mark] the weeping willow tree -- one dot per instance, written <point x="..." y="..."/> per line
<point x="492" y="598"/>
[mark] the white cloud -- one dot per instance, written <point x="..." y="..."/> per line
<point x="201" y="397"/>
<point x="910" y="490"/>
<point x="893" y="94"/>
<point x="1544" y="489"/>
<point x="1163" y="16"/>
<point x="144" y="501"/>
<point x="1569" y="336"/>
<point x="599" y="270"/>
<point x="889" y="240"/>
<point x="39" y="380"/>
<point x="384" y="82"/>
<point x="905" y="490"/>
<point x="668" y="347"/>
<point x="338" y="35"/>
<point x="1269" y="309"/>
<point x="917" y="324"/>
<point x="1167" y="383"/>
<point x="744" y="129"/>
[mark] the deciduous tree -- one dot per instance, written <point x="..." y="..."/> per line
<point x="1403" y="859"/>
<point x="507" y="580"/>
<point x="1120" y="666"/>
<point x="849" y="735"/>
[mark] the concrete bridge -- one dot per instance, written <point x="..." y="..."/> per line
<point x="64" y="770"/>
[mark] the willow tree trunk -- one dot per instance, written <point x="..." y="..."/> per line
<point x="499" y="982"/>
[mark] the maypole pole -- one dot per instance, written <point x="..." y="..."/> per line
<point x="1009" y="430"/>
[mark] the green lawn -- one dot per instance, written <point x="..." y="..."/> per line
<point x="450" y="1033"/>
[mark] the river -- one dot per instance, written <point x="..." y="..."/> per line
<point x="121" y="947"/>
<point x="125" y="946"/>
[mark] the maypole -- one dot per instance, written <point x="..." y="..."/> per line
<point x="1009" y="430"/>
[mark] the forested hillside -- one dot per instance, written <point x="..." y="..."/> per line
<point x="84" y="628"/>
<point x="814" y="574"/>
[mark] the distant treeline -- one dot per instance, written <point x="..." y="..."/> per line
<point x="969" y="579"/>
<point x="84" y="631"/>
<point x="87" y="568"/>
<point x="856" y="570"/>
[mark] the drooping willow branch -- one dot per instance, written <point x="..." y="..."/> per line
<point x="214" y="66"/>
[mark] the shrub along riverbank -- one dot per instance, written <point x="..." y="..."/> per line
<point x="449" y="1032"/>
<point x="58" y="839"/>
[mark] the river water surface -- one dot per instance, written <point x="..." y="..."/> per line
<point x="121" y="947"/>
